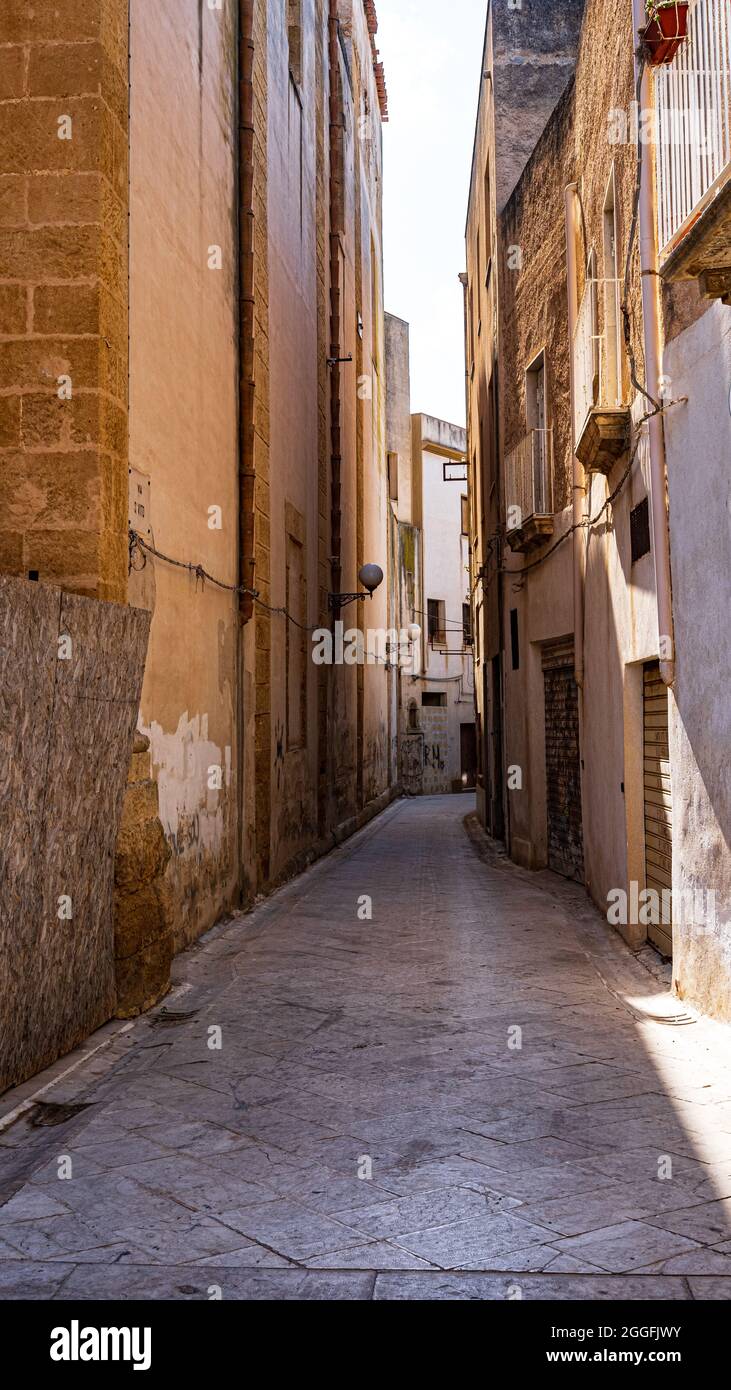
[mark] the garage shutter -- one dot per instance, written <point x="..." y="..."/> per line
<point x="658" y="799"/>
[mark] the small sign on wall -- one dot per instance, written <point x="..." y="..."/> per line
<point x="454" y="472"/>
<point x="140" y="517"/>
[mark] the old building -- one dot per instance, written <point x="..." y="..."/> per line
<point x="192" y="424"/>
<point x="526" y="66"/>
<point x="588" y="397"/>
<point x="428" y="488"/>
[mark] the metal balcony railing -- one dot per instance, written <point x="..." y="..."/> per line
<point x="529" y="479"/>
<point x="693" y="104"/>
<point x="597" y="370"/>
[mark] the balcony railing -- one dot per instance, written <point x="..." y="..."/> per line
<point x="529" y="489"/>
<point x="596" y="353"/>
<point x="693" y="102"/>
<point x="600" y="416"/>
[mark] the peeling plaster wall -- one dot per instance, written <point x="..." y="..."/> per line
<point x="183" y="431"/>
<point x="698" y="362"/>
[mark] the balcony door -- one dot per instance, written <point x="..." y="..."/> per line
<point x="535" y="404"/>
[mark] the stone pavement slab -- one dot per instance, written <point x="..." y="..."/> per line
<point x="474" y="1090"/>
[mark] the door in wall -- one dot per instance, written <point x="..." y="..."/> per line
<point x="658" y="802"/>
<point x="497" y="818"/>
<point x="563" y="770"/>
<point x="468" y="754"/>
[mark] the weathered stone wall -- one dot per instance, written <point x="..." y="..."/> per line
<point x="578" y="146"/>
<point x="70" y="679"/>
<point x="63" y="292"/>
<point x="534" y="50"/>
<point x="144" y="907"/>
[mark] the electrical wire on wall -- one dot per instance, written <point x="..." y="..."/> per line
<point x="138" y="543"/>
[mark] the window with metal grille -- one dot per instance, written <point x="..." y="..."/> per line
<point x="433" y="699"/>
<point x="639" y="529"/>
<point x="467" y="622"/>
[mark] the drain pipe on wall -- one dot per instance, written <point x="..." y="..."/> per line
<point x="651" y="320"/>
<point x="246" y="394"/>
<point x="337" y="123"/>
<point x="578" y="488"/>
<point x="246" y="305"/>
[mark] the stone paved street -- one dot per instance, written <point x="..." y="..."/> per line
<point x="386" y="1046"/>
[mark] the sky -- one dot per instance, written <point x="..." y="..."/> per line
<point x="432" y="53"/>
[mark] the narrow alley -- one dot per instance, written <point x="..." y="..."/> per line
<point x="416" y="1071"/>
<point x="365" y="535"/>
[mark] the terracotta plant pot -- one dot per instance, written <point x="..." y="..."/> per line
<point x="665" y="32"/>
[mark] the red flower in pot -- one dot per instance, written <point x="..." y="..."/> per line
<point x="667" y="26"/>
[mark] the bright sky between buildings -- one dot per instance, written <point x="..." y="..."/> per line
<point x="432" y="54"/>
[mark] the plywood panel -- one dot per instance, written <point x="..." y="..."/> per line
<point x="69" y="711"/>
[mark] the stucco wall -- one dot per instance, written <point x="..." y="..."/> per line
<point x="293" y="437"/>
<point x="698" y="362"/>
<point x="183" y="432"/>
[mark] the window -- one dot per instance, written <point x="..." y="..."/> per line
<point x="295" y="153"/>
<point x="434" y="699"/>
<point x="296" y="652"/>
<point x="613" y="372"/>
<point x="465" y="516"/>
<point x="294" y="32"/>
<point x="639" y="529"/>
<point x="536" y="420"/>
<point x="467" y="623"/>
<point x="514" y="639"/>
<point x="472" y="330"/>
<point x="479" y="285"/>
<point x="437" y="620"/>
<point x="393" y="476"/>
<point x="488" y="221"/>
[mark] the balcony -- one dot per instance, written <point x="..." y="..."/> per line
<point x="529" y="491"/>
<point x="601" y="420"/>
<point x="693" y="104"/>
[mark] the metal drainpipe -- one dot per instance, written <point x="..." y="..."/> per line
<point x="336" y="155"/>
<point x="246" y="306"/>
<point x="578" y="490"/>
<point x="651" y="319"/>
<point x="245" y="422"/>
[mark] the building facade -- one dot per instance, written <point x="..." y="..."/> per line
<point x="586" y="534"/>
<point x="192" y="422"/>
<point x="428" y="472"/>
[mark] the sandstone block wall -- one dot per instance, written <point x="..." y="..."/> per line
<point x="63" y="292"/>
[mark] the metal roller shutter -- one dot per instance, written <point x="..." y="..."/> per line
<point x="658" y="799"/>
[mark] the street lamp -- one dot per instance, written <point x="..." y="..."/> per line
<point x="370" y="576"/>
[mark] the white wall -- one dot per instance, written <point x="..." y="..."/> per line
<point x="445" y="577"/>
<point x="698" y="363"/>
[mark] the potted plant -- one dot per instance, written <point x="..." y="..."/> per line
<point x="667" y="26"/>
